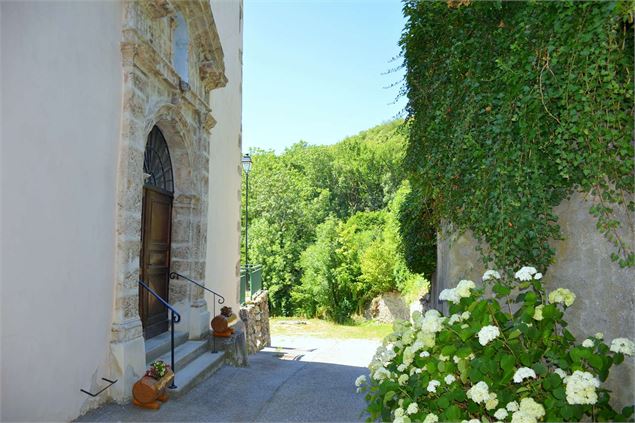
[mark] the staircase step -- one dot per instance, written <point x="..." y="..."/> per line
<point x="185" y="353"/>
<point x="196" y="371"/>
<point x="159" y="345"/>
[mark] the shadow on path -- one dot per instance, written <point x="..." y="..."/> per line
<point x="283" y="384"/>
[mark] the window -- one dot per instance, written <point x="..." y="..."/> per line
<point x="180" y="48"/>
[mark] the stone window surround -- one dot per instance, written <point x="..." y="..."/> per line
<point x="152" y="95"/>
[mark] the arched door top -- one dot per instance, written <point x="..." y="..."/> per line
<point x="157" y="165"/>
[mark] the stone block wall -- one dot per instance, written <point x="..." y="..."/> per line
<point x="255" y="315"/>
<point x="605" y="292"/>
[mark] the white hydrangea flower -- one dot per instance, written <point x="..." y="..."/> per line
<point x="538" y="312"/>
<point x="399" y="412"/>
<point x="538" y="276"/>
<point x="524" y="373"/>
<point x="526" y="273"/>
<point x="491" y="274"/>
<point x="478" y="393"/>
<point x="580" y="388"/>
<point x="456" y="359"/>
<point x="464" y="288"/>
<point x="454" y="318"/>
<point x="381" y="373"/>
<point x="401" y="419"/>
<point x="412" y="408"/>
<point x="487" y="334"/>
<point x="522" y="417"/>
<point x="401" y="367"/>
<point x="471" y="356"/>
<point x="560" y="372"/>
<point x="512" y="406"/>
<point x="403" y="379"/>
<point x="587" y="343"/>
<point x="443" y="357"/>
<point x="623" y="345"/>
<point x="432" y="386"/>
<point x="424" y="354"/>
<point x="501" y="414"/>
<point x="449" y="379"/>
<point x="431" y="418"/>
<point x="563" y="296"/>
<point x="532" y="408"/>
<point x="432" y="322"/>
<point x="408" y="356"/>
<point x="599" y="335"/>
<point x="492" y="401"/>
<point x="450" y="295"/>
<point x="465" y="315"/>
<point x="361" y="380"/>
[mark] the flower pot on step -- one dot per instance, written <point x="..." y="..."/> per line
<point x="150" y="393"/>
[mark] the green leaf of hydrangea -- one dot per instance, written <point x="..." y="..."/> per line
<point x="388" y="397"/>
<point x="508" y="362"/>
<point x="596" y="362"/>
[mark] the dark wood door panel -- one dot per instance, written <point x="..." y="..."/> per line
<point x="155" y="259"/>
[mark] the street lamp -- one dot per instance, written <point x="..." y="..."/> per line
<point x="246" y="162"/>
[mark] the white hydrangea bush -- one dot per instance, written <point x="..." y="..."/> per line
<point x="483" y="363"/>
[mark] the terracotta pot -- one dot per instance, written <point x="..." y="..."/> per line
<point x="148" y="392"/>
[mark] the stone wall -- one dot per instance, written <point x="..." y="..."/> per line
<point x="605" y="292"/>
<point x="255" y="315"/>
<point x="387" y="308"/>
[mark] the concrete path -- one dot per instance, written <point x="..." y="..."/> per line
<point x="298" y="379"/>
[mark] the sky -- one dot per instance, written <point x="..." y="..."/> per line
<point x="319" y="70"/>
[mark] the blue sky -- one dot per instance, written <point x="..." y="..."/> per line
<point x="317" y="70"/>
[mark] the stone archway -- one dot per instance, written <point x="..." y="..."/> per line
<point x="189" y="218"/>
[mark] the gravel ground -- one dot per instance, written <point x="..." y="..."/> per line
<point x="298" y="379"/>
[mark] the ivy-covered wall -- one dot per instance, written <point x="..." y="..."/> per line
<point x="512" y="108"/>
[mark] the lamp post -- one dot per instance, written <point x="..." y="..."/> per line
<point x="246" y="162"/>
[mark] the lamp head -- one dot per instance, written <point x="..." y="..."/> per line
<point x="246" y="161"/>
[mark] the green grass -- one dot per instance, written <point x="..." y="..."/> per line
<point x="356" y="329"/>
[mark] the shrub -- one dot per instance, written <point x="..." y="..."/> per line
<point x="487" y="362"/>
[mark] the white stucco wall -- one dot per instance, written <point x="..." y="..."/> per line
<point x="61" y="106"/>
<point x="223" y="238"/>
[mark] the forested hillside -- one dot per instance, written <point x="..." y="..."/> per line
<point x="324" y="223"/>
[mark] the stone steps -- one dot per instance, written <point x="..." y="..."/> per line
<point x="193" y="359"/>
<point x="185" y="353"/>
<point x="159" y="345"/>
<point x="196" y="371"/>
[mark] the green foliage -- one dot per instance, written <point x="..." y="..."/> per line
<point x="352" y="262"/>
<point x="323" y="224"/>
<point x="451" y="368"/>
<point x="513" y="106"/>
<point x="417" y="230"/>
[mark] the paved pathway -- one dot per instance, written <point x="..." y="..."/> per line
<point x="298" y="379"/>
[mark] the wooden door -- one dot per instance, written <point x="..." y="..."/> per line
<point x="155" y="259"/>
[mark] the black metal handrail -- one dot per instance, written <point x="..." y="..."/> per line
<point x="220" y="299"/>
<point x="176" y="318"/>
<point x="216" y="298"/>
<point x="110" y="383"/>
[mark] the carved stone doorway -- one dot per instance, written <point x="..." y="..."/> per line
<point x="156" y="233"/>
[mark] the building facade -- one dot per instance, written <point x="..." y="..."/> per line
<point x="120" y="163"/>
